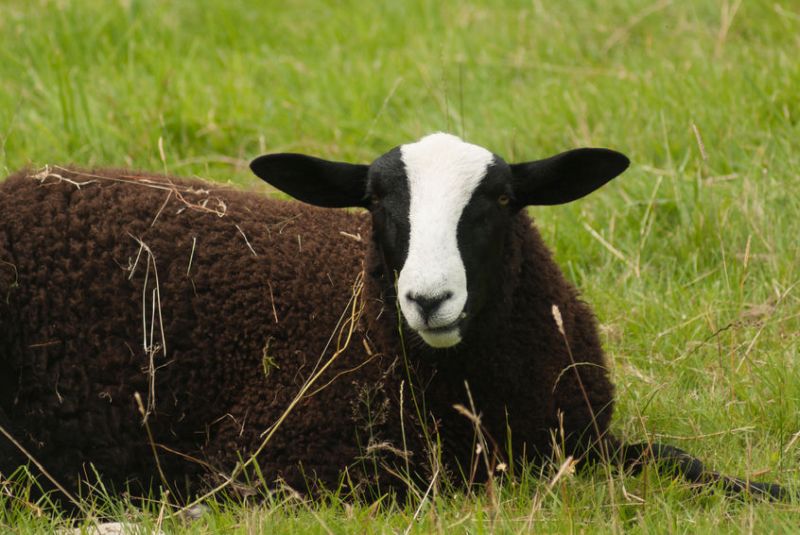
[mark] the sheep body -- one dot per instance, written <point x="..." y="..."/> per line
<point x="75" y="303"/>
<point x="249" y="302"/>
<point x="156" y="330"/>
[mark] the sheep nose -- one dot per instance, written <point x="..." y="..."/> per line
<point x="428" y="304"/>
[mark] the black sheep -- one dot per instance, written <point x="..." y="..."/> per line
<point x="340" y="341"/>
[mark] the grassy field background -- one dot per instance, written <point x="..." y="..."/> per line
<point x="690" y="259"/>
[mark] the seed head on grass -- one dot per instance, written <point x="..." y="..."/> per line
<point x="559" y="321"/>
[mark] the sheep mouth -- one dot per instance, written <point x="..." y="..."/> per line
<point x="443" y="336"/>
<point x="444" y="329"/>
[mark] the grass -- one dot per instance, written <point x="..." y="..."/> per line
<point x="691" y="259"/>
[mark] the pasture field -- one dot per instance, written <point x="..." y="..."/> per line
<point x="691" y="259"/>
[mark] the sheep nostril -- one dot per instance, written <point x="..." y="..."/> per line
<point x="428" y="305"/>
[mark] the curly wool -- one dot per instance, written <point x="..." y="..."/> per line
<point x="216" y="306"/>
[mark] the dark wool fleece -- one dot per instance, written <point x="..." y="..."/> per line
<point x="254" y="296"/>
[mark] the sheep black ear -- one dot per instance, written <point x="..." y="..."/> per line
<point x="314" y="180"/>
<point x="565" y="177"/>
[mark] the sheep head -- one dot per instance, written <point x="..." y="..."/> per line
<point x="441" y="211"/>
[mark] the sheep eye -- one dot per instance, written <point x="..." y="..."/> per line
<point x="503" y="200"/>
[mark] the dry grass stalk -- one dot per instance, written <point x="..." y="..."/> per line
<point x="613" y="250"/>
<point x="567" y="468"/>
<point x="152" y="442"/>
<point x="778" y="301"/>
<point x="164" y="205"/>
<point x="356" y="237"/>
<point x="161" y="153"/>
<point x="160" y="519"/>
<point x="623" y="31"/>
<point x="485" y="446"/>
<point x="727" y="14"/>
<point x="601" y="443"/>
<point x="272" y="301"/>
<point x="422" y="501"/>
<point x="13" y="284"/>
<point x="745" y="429"/>
<point x="246" y="241"/>
<point x="190" y="458"/>
<point x="236" y="163"/>
<point x="792" y="442"/>
<point x="560" y="324"/>
<point x="387" y="446"/>
<point x="12" y="266"/>
<point x="165" y="184"/>
<point x="5" y="484"/>
<point x="700" y="144"/>
<point x="342" y="374"/>
<point x="46" y="173"/>
<point x="403" y="433"/>
<point x="191" y="255"/>
<point x="148" y="343"/>
<point x="44" y="471"/>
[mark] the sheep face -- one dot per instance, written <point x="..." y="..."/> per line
<point x="442" y="210"/>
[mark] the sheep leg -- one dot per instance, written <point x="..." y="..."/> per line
<point x="672" y="460"/>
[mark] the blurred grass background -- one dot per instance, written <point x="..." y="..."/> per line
<point x="690" y="259"/>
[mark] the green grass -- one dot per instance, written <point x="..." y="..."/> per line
<point x="695" y="285"/>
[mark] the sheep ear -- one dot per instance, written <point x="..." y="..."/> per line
<point x="565" y="177"/>
<point x="314" y="180"/>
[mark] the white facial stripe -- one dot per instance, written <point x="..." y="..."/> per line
<point x="443" y="172"/>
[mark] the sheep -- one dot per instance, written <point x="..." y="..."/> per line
<point x="156" y="330"/>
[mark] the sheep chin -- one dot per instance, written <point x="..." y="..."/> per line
<point x="441" y="339"/>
